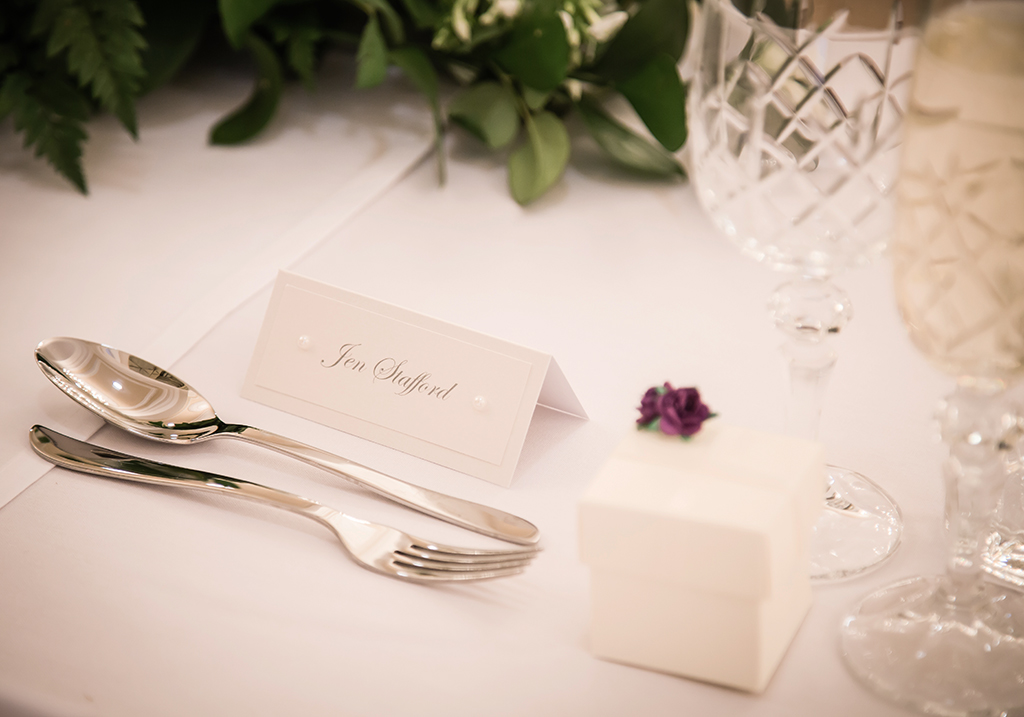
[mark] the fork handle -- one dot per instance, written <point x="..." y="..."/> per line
<point x="480" y="518"/>
<point x="84" y="457"/>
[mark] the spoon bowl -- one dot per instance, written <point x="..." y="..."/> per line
<point x="128" y="391"/>
<point x="144" y="399"/>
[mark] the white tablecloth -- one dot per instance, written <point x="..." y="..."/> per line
<point x="119" y="599"/>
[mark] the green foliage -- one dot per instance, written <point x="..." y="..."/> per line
<point x="537" y="53"/>
<point x="540" y="161"/>
<point x="624" y="145"/>
<point x="237" y="16"/>
<point x="416" y="66"/>
<point x="58" y="60"/>
<point x="172" y="33"/>
<point x="424" y="13"/>
<point x="248" y="120"/>
<point x="102" y="44"/>
<point x="392" y="21"/>
<point x="658" y="96"/>
<point x="488" y="111"/>
<point x="372" y="57"/>
<point x="50" y="113"/>
<point x="525" y="65"/>
<point x="658" y="28"/>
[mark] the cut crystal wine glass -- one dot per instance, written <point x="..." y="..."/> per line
<point x="794" y="137"/>
<point x="954" y="644"/>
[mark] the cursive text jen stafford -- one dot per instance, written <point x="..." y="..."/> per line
<point x="391" y="370"/>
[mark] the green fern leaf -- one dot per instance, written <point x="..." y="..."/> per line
<point x="103" y="46"/>
<point x="50" y="114"/>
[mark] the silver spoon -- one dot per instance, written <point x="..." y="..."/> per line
<point x="146" y="400"/>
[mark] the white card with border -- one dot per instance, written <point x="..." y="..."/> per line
<point x="432" y="389"/>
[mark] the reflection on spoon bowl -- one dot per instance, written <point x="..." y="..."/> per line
<point x="127" y="391"/>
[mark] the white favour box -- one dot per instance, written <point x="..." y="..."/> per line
<point x="698" y="551"/>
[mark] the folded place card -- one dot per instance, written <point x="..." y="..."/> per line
<point x="423" y="386"/>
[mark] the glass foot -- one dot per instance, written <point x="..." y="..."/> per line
<point x="859" y="528"/>
<point x="922" y="645"/>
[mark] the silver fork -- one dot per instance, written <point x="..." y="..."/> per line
<point x="377" y="547"/>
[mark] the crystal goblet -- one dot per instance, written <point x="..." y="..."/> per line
<point x="794" y="135"/>
<point x="954" y="644"/>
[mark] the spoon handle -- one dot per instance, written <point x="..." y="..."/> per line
<point x="480" y="518"/>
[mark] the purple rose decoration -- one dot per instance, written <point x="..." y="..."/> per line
<point x="673" y="411"/>
<point x="682" y="412"/>
<point x="649" y="406"/>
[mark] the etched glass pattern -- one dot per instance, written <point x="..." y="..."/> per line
<point x="795" y="136"/>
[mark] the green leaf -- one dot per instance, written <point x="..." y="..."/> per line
<point x="654" y="425"/>
<point x="488" y="111"/>
<point x="102" y="45"/>
<point x="237" y="16"/>
<point x="301" y="45"/>
<point x="301" y="34"/>
<point x="372" y="56"/>
<point x="625" y="146"/>
<point x="392" y="21"/>
<point x="60" y="96"/>
<point x="54" y="135"/>
<point x="535" y="99"/>
<point x="538" y="164"/>
<point x="172" y="32"/>
<point x="537" y="53"/>
<point x="342" y="38"/>
<point x="248" y="120"/>
<point x="424" y="15"/>
<point x="659" y="27"/>
<point x="13" y="91"/>
<point x="658" y="95"/>
<point x="417" y="67"/>
<point x="45" y="16"/>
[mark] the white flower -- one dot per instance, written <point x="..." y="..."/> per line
<point x="604" y="29"/>
<point x="460" y="25"/>
<point x="508" y="8"/>
<point x="571" y="33"/>
<point x="574" y="88"/>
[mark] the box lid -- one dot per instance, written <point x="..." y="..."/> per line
<point x="730" y="510"/>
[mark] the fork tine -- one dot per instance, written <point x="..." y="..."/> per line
<point x="416" y="574"/>
<point x="459" y="565"/>
<point x="452" y="562"/>
<point x="413" y="551"/>
<point x="438" y="551"/>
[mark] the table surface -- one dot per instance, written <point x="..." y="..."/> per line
<point x="121" y="599"/>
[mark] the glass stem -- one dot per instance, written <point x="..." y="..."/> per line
<point x="979" y="428"/>
<point x="808" y="311"/>
<point x="810" y="366"/>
